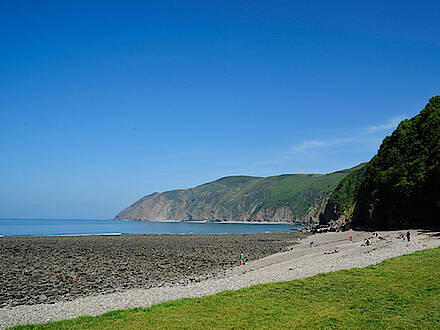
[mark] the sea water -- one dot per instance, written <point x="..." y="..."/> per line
<point x="50" y="227"/>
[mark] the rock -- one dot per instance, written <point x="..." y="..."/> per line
<point x="53" y="262"/>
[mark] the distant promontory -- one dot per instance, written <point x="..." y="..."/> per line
<point x="298" y="198"/>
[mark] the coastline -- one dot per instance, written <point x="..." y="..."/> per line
<point x="261" y="223"/>
<point x="219" y="222"/>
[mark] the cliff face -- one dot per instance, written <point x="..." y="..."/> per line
<point x="296" y="197"/>
<point x="339" y="209"/>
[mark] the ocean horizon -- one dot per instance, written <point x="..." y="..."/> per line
<point x="80" y="227"/>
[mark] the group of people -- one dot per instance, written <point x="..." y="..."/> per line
<point x="406" y="236"/>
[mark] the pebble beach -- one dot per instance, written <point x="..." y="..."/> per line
<point x="35" y="270"/>
<point x="100" y="274"/>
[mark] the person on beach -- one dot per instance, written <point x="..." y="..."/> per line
<point x="408" y="236"/>
<point x="351" y="239"/>
<point x="241" y="258"/>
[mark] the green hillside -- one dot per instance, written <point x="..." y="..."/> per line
<point x="342" y="201"/>
<point x="285" y="197"/>
<point x="402" y="182"/>
<point x="400" y="186"/>
<point x="295" y="190"/>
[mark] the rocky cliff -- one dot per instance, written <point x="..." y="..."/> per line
<point x="296" y="198"/>
<point x="339" y="209"/>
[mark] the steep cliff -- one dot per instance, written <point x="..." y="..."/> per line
<point x="289" y="197"/>
<point x="339" y="209"/>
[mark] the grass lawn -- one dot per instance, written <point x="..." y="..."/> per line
<point x="403" y="292"/>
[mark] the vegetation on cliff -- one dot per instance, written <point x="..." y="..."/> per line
<point x="401" y="186"/>
<point x="241" y="198"/>
<point x="342" y="201"/>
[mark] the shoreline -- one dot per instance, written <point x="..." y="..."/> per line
<point x="148" y="234"/>
<point x="298" y="261"/>
<point x="215" y="222"/>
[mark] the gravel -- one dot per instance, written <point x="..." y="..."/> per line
<point x="299" y="261"/>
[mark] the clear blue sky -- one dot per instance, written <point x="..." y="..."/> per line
<point x="104" y="102"/>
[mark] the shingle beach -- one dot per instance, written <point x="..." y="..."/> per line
<point x="206" y="266"/>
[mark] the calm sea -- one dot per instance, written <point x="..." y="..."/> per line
<point x="42" y="227"/>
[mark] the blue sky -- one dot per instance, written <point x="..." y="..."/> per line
<point x="103" y="103"/>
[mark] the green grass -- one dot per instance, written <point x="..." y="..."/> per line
<point x="403" y="293"/>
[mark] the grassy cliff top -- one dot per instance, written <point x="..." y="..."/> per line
<point x="297" y="191"/>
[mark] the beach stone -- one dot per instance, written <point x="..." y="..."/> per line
<point x="49" y="269"/>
